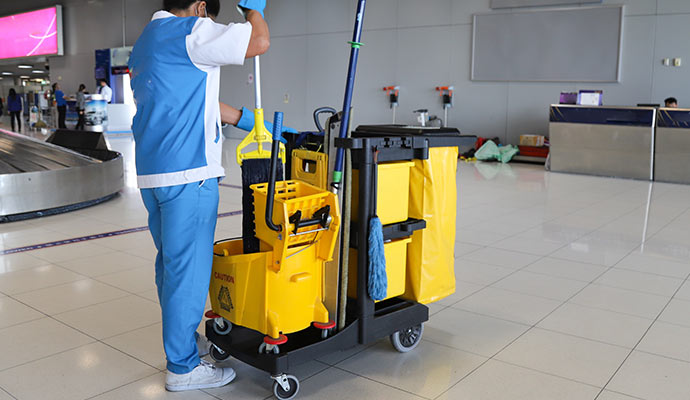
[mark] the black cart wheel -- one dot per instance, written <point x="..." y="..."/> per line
<point x="407" y="339"/>
<point x="222" y="326"/>
<point x="218" y="355"/>
<point x="325" y="333"/>
<point x="288" y="394"/>
<point x="263" y="349"/>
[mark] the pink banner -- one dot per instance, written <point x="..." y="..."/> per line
<point x="29" y="34"/>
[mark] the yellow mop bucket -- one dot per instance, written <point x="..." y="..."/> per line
<point x="281" y="288"/>
<point x="247" y="291"/>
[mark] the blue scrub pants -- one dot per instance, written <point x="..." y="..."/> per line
<point x="182" y="221"/>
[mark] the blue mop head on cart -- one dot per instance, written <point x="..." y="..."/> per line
<point x="378" y="280"/>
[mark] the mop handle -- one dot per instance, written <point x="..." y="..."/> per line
<point x="257" y="69"/>
<point x="349" y="87"/>
<point x="270" y="195"/>
<point x="257" y="83"/>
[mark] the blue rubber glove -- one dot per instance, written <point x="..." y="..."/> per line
<point x="246" y="123"/>
<point x="257" y="5"/>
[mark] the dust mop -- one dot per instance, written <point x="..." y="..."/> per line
<point x="377" y="282"/>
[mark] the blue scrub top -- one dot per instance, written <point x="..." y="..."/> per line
<point x="60" y="98"/>
<point x="175" y="68"/>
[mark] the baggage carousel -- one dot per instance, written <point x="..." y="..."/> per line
<point x="72" y="170"/>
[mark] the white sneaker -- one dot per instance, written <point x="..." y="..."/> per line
<point x="203" y="345"/>
<point x="204" y="376"/>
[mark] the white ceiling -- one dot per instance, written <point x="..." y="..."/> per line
<point x="17" y="72"/>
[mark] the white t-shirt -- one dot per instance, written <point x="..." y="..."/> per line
<point x="107" y="92"/>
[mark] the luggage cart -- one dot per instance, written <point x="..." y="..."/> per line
<point x="367" y="321"/>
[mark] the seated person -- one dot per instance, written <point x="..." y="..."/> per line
<point x="671" y="102"/>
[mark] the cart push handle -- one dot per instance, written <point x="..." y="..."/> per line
<point x="275" y="146"/>
<point x="318" y="112"/>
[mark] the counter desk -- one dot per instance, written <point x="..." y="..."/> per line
<point x="605" y="141"/>
<point x="672" y="152"/>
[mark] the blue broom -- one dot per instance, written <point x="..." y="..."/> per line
<point x="378" y="280"/>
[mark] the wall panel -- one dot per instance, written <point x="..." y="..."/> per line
<point x="414" y="44"/>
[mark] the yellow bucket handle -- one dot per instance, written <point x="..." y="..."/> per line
<point x="259" y="135"/>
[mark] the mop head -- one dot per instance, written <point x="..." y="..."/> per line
<point x="253" y="171"/>
<point x="378" y="281"/>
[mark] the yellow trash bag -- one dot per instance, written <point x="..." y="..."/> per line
<point x="433" y="198"/>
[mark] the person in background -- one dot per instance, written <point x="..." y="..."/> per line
<point x="105" y="90"/>
<point x="61" y="105"/>
<point x="81" y="106"/>
<point x="2" y="106"/>
<point x="671" y="102"/>
<point x="14" y="106"/>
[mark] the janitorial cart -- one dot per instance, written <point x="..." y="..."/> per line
<point x="324" y="277"/>
<point x="419" y="247"/>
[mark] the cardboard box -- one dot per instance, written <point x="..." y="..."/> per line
<point x="531" y="140"/>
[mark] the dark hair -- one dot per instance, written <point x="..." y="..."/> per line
<point x="671" y="100"/>
<point x="12" y="94"/>
<point x="82" y="87"/>
<point x="212" y="6"/>
<point x="54" y="87"/>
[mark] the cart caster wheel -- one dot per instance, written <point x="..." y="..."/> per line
<point x="222" y="326"/>
<point x="270" y="345"/>
<point x="217" y="354"/>
<point x="407" y="339"/>
<point x="285" y="387"/>
<point x="326" y="328"/>
<point x="268" y="349"/>
<point x="265" y="349"/>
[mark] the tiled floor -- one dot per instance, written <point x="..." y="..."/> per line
<point x="568" y="287"/>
